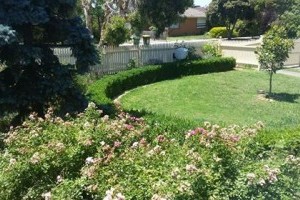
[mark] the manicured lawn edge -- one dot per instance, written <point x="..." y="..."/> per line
<point x="103" y="91"/>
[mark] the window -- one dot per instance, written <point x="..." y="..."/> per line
<point x="201" y="22"/>
<point x="176" y="25"/>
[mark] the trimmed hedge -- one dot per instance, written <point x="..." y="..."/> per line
<point x="104" y="90"/>
<point x="216" y="32"/>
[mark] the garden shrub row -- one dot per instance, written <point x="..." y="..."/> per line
<point x="97" y="157"/>
<point x="217" y="32"/>
<point x="103" y="91"/>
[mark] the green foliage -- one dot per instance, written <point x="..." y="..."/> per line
<point x="162" y="13"/>
<point x="217" y="32"/>
<point x="132" y="64"/>
<point x="274" y="51"/>
<point x="104" y="90"/>
<point x="116" y="33"/>
<point x="192" y="52"/>
<point x="95" y="157"/>
<point x="291" y="20"/>
<point x="268" y="11"/>
<point x="227" y="13"/>
<point x="211" y="50"/>
<point x="246" y="28"/>
<point x="137" y="23"/>
<point x="92" y="12"/>
<point x="33" y="78"/>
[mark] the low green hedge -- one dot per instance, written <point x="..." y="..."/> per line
<point x="216" y="32"/>
<point x="104" y="90"/>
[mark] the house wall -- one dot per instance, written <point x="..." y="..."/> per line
<point x="187" y="27"/>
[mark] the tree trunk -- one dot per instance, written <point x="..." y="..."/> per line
<point x="101" y="41"/>
<point x="230" y="30"/>
<point x="86" y="6"/>
<point x="228" y="33"/>
<point x="270" y="84"/>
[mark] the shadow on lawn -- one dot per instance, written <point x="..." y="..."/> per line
<point x="285" y="97"/>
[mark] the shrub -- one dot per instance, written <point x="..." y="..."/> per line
<point x="103" y="91"/>
<point x="217" y="32"/>
<point x="192" y="52"/>
<point x="246" y="28"/>
<point x="116" y="33"/>
<point x="211" y="50"/>
<point x="95" y="157"/>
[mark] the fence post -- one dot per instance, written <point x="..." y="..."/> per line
<point x="139" y="56"/>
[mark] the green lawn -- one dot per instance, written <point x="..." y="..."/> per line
<point x="223" y="98"/>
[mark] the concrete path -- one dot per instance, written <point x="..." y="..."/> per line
<point x="290" y="73"/>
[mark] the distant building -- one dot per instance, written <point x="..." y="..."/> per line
<point x="193" y="23"/>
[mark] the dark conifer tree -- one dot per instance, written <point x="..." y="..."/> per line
<point x="31" y="76"/>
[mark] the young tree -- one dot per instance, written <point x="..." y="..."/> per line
<point x="116" y="32"/>
<point x="33" y="77"/>
<point x="274" y="51"/>
<point x="227" y="12"/>
<point x="111" y="8"/>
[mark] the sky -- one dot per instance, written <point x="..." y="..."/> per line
<point x="202" y="2"/>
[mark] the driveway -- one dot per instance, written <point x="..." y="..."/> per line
<point x="290" y="71"/>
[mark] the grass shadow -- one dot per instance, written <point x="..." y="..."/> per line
<point x="285" y="97"/>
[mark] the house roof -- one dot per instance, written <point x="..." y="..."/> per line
<point x="195" y="12"/>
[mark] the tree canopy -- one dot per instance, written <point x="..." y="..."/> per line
<point x="139" y="13"/>
<point x="268" y="11"/>
<point x="163" y="13"/>
<point x="227" y="12"/>
<point x="291" y="19"/>
<point x="32" y="76"/>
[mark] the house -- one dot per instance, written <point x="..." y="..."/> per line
<point x="193" y="23"/>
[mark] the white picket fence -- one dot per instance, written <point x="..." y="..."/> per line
<point x="114" y="59"/>
<point x="64" y="55"/>
<point x="117" y="58"/>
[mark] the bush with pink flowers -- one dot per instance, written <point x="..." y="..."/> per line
<point x="97" y="157"/>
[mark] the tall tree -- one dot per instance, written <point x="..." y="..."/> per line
<point x="291" y="20"/>
<point x="159" y="13"/>
<point x="268" y="11"/>
<point x="33" y="77"/>
<point x="163" y="13"/>
<point x="87" y="9"/>
<point x="228" y="12"/>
